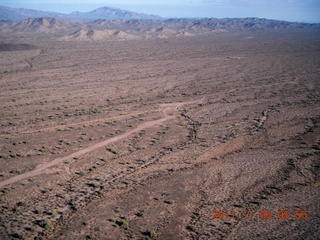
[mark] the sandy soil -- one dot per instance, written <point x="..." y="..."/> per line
<point x="212" y="137"/>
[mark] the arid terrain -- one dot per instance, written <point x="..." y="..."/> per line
<point x="148" y="138"/>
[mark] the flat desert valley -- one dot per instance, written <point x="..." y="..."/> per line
<point x="192" y="137"/>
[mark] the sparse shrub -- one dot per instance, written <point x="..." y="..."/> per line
<point x="4" y="156"/>
<point x="316" y="147"/>
<point x="6" y="190"/>
<point x="122" y="223"/>
<point x="91" y="237"/>
<point x="21" y="204"/>
<point x="119" y="131"/>
<point x="64" y="141"/>
<point x="93" y="185"/>
<point x="112" y="150"/>
<point x="153" y="234"/>
<point x="54" y="212"/>
<point x="141" y="213"/>
<point x="17" y="236"/>
<point x="169" y="201"/>
<point x="15" y="171"/>
<point x="29" y="229"/>
<point x="310" y="129"/>
<point x="44" y="224"/>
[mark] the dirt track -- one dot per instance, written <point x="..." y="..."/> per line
<point x="40" y="168"/>
<point x="148" y="139"/>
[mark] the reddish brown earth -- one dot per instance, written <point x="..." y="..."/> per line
<point x="146" y="139"/>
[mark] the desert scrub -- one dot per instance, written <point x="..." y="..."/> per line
<point x="90" y="237"/>
<point x="118" y="131"/>
<point x="16" y="171"/>
<point x="316" y="147"/>
<point x="141" y="148"/>
<point x="310" y="129"/>
<point x="112" y="150"/>
<point x="4" y="156"/>
<point x="153" y="234"/>
<point x="111" y="123"/>
<point x="154" y="140"/>
<point x="169" y="201"/>
<point x="5" y="190"/>
<point x="64" y="141"/>
<point x="122" y="222"/>
<point x="142" y="213"/>
<point x="43" y="223"/>
<point x="21" y="204"/>
<point x="18" y="143"/>
<point x="137" y="137"/>
<point x="54" y="212"/>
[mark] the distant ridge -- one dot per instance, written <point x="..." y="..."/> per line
<point x="122" y="29"/>
<point x="19" y="14"/>
<point x="46" y="25"/>
<point x="110" y="14"/>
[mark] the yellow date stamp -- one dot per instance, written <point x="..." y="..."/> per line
<point x="281" y="214"/>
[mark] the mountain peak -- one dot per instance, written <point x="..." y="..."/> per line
<point x="116" y="13"/>
<point x="104" y="9"/>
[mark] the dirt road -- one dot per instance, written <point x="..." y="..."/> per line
<point x="40" y="168"/>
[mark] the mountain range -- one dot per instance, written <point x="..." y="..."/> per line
<point x="20" y="14"/>
<point x="109" y="23"/>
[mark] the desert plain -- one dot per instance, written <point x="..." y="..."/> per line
<point x="200" y="137"/>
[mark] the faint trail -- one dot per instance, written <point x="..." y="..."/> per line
<point x="82" y="123"/>
<point x="40" y="168"/>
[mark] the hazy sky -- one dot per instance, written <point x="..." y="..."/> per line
<point x="290" y="10"/>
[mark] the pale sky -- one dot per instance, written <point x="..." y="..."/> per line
<point x="289" y="10"/>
